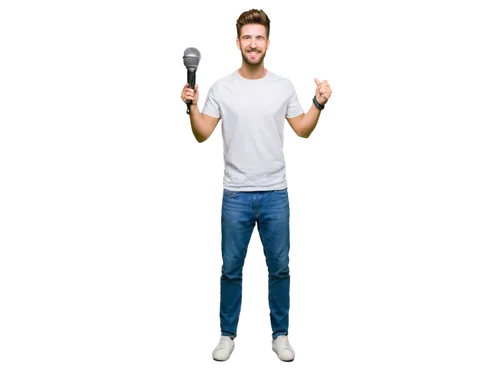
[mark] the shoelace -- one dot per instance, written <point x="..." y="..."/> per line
<point x="222" y="343"/>
<point x="284" y="342"/>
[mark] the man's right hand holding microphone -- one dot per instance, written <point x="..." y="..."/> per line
<point x="190" y="94"/>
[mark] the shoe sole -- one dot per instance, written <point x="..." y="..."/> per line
<point x="222" y="362"/>
<point x="284" y="362"/>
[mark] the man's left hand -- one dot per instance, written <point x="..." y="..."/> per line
<point x="323" y="91"/>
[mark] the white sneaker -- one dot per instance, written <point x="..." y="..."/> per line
<point x="283" y="349"/>
<point x="224" y="348"/>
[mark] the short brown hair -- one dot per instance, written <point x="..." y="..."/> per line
<point x="253" y="16"/>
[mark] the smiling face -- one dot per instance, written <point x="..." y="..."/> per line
<point x="253" y="43"/>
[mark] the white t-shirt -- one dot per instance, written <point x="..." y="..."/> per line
<point x="252" y="112"/>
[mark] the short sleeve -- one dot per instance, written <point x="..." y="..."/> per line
<point x="293" y="107"/>
<point x="211" y="107"/>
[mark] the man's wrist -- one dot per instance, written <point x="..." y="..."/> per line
<point x="192" y="109"/>
<point x="320" y="106"/>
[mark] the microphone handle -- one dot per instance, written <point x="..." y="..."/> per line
<point x="191" y="80"/>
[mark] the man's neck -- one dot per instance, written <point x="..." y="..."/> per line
<point x="252" y="73"/>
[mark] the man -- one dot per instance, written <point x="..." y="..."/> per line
<point x="253" y="102"/>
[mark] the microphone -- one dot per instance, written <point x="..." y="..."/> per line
<point x="191" y="60"/>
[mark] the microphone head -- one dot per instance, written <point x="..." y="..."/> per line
<point x="191" y="58"/>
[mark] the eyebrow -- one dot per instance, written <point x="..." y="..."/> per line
<point x="251" y="35"/>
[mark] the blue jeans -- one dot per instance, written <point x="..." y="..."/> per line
<point x="240" y="211"/>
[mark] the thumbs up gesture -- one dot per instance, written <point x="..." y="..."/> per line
<point x="323" y="91"/>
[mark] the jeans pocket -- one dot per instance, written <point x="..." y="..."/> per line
<point x="283" y="191"/>
<point x="231" y="194"/>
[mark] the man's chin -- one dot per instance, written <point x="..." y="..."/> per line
<point x="253" y="62"/>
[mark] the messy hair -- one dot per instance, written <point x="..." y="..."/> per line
<point x="253" y="16"/>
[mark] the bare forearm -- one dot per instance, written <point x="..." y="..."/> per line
<point x="197" y="123"/>
<point x="309" y="121"/>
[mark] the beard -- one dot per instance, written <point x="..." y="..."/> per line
<point x="253" y="62"/>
